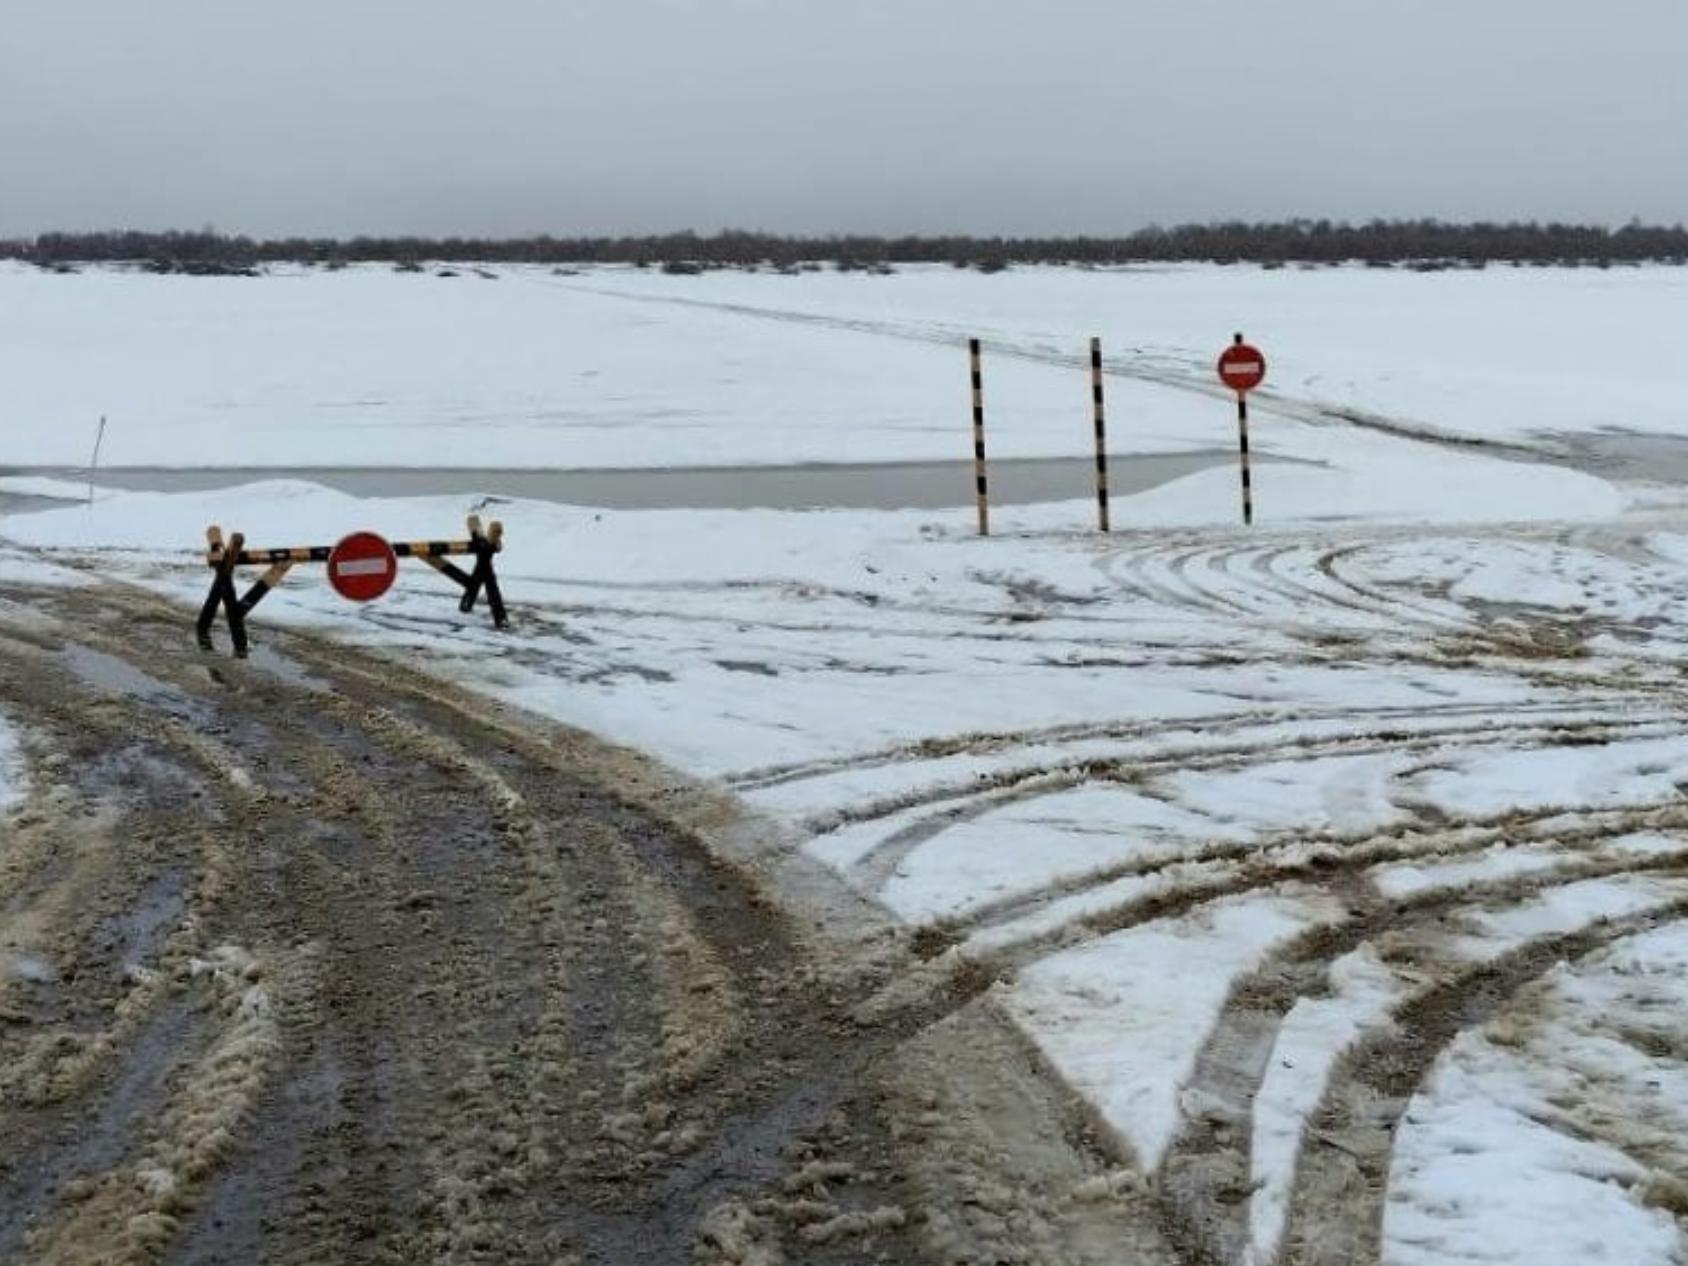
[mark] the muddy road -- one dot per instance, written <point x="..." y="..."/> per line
<point x="308" y="959"/>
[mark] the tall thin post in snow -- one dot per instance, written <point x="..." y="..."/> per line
<point x="1242" y="437"/>
<point x="981" y="490"/>
<point x="94" y="463"/>
<point x="1101" y="435"/>
<point x="1242" y="449"/>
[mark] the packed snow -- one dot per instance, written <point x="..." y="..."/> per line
<point x="1126" y="1030"/>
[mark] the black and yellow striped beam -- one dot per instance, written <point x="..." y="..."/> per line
<point x="268" y="581"/>
<point x="319" y="553"/>
<point x="217" y="554"/>
<point x="438" y="563"/>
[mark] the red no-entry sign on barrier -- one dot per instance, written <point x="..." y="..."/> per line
<point x="1241" y="367"/>
<point x="362" y="567"/>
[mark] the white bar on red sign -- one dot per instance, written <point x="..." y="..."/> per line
<point x="361" y="567"/>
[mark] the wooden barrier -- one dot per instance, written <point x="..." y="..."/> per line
<point x="224" y="558"/>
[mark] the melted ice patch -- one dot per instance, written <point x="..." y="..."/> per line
<point x="12" y="773"/>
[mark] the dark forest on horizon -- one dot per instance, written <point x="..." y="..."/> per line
<point x="1423" y="244"/>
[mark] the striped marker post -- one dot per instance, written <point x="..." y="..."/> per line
<point x="981" y="488"/>
<point x="1242" y="450"/>
<point x="1101" y="435"/>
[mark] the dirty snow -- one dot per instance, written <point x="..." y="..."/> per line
<point x="1314" y="1035"/>
<point x="1553" y="1140"/>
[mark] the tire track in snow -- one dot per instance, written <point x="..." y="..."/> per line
<point x="967" y="803"/>
<point x="1419" y="941"/>
<point x="994" y="742"/>
<point x="1336" y="1213"/>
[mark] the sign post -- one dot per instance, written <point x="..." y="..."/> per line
<point x="1242" y="368"/>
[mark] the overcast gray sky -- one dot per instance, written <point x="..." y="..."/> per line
<point x="608" y="116"/>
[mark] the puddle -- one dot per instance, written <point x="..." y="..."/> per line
<point x="268" y="659"/>
<point x="115" y="676"/>
<point x="21" y="503"/>
<point x="37" y="971"/>
<point x="139" y="931"/>
<point x="877" y="486"/>
<point x="1630" y="455"/>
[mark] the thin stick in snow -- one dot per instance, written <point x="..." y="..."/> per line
<point x="94" y="464"/>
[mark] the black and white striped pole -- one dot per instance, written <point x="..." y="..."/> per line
<point x="1242" y="452"/>
<point x="981" y="489"/>
<point x="1101" y="434"/>
<point x="1243" y="368"/>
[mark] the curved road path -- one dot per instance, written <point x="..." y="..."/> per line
<point x="310" y="959"/>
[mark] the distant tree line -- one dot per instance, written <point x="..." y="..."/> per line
<point x="1384" y="243"/>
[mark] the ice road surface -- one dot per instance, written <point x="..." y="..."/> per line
<point x="1341" y="863"/>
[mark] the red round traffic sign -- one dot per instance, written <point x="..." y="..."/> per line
<point x="362" y="566"/>
<point x="1241" y="367"/>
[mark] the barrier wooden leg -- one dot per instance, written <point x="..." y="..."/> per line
<point x="484" y="545"/>
<point x="230" y="599"/>
<point x="472" y="587"/>
<point x="222" y="593"/>
<point x="494" y="596"/>
<point x="447" y="569"/>
<point x="208" y="612"/>
<point x="261" y="586"/>
<point x="483" y="577"/>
